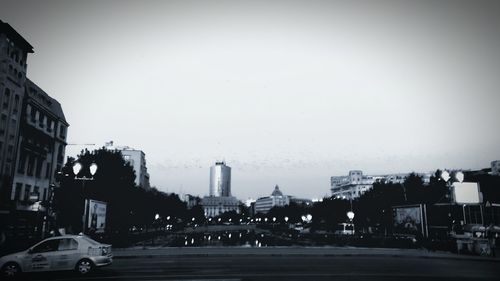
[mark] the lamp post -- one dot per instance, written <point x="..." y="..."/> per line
<point x="48" y="210"/>
<point x="77" y="168"/>
<point x="459" y="177"/>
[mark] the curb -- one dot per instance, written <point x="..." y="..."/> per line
<point x="353" y="254"/>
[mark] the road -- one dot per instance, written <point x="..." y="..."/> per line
<point x="278" y="265"/>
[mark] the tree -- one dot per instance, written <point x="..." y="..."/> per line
<point x="127" y="205"/>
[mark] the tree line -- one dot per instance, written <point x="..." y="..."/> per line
<point x="128" y="205"/>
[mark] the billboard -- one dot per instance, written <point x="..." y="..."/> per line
<point x="466" y="192"/>
<point x="96" y="215"/>
<point x="408" y="220"/>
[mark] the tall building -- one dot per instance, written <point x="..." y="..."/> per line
<point x="277" y="199"/>
<point x="32" y="140"/>
<point x="14" y="50"/>
<point x="136" y="159"/>
<point x="41" y="147"/>
<point x="220" y="180"/>
<point x="219" y="200"/>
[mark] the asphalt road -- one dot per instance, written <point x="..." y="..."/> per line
<point x="287" y="267"/>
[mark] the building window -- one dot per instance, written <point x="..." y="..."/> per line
<point x="62" y="131"/>
<point x="33" y="115"/>
<point x="27" y="190"/>
<point x="41" y="120"/>
<point x="22" y="163"/>
<point x="16" y="104"/>
<point x="31" y="163"/>
<point x="38" y="171"/>
<point x="60" y="154"/>
<point x="44" y="196"/>
<point x="47" y="171"/>
<point x="50" y="126"/>
<point x="19" y="189"/>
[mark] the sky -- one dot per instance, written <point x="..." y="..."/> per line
<point x="285" y="92"/>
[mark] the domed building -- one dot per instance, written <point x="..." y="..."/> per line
<point x="277" y="191"/>
<point x="277" y="199"/>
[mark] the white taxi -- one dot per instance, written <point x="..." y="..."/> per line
<point x="67" y="252"/>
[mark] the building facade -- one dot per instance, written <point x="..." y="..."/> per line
<point x="355" y="183"/>
<point x="352" y="185"/>
<point x="215" y="206"/>
<point x="277" y="199"/>
<point x="136" y="159"/>
<point x="220" y="180"/>
<point x="220" y="200"/>
<point x="32" y="141"/>
<point x="14" y="50"/>
<point x="41" y="148"/>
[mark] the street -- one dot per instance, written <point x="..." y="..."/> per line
<point x="286" y="264"/>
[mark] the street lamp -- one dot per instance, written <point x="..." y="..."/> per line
<point x="458" y="176"/>
<point x="77" y="167"/>
<point x="350" y="215"/>
<point x="445" y="175"/>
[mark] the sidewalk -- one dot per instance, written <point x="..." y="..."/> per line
<point x="152" y="252"/>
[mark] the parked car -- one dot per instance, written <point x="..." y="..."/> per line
<point x="67" y="252"/>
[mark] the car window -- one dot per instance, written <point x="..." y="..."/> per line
<point x="47" y="246"/>
<point x="67" y="244"/>
<point x="91" y="241"/>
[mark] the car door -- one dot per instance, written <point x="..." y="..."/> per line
<point x="40" y="257"/>
<point x="68" y="254"/>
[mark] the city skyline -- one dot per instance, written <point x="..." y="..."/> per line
<point x="285" y="93"/>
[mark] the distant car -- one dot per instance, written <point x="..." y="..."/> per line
<point x="67" y="252"/>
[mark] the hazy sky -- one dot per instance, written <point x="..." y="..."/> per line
<point x="286" y="92"/>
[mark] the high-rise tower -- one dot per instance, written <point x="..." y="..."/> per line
<point x="220" y="180"/>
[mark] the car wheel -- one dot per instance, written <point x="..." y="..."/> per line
<point x="11" y="270"/>
<point x="84" y="266"/>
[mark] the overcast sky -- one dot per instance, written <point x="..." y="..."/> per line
<point x="286" y="92"/>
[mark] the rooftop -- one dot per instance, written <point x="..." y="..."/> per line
<point x="16" y="37"/>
